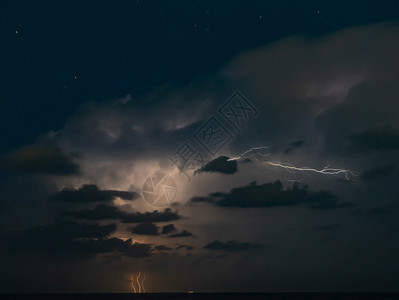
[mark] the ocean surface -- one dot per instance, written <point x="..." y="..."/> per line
<point x="184" y="296"/>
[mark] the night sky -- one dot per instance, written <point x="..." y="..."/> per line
<point x="207" y="146"/>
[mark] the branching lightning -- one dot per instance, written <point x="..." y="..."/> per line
<point x="325" y="171"/>
<point x="140" y="286"/>
<point x="250" y="150"/>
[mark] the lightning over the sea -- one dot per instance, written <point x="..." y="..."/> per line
<point x="132" y="283"/>
<point x="140" y="286"/>
<point x="138" y="282"/>
<point x="142" y="283"/>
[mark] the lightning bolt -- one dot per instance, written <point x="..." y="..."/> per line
<point x="141" y="287"/>
<point x="132" y="283"/>
<point x="252" y="149"/>
<point x="142" y="283"/>
<point x="325" y="171"/>
<point x="137" y="279"/>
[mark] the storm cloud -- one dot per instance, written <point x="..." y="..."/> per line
<point x="91" y="193"/>
<point x="271" y="195"/>
<point x="222" y="165"/>
<point x="145" y="229"/>
<point x="106" y="212"/>
<point x="45" y="159"/>
<point x="70" y="240"/>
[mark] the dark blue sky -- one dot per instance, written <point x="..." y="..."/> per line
<point x="130" y="47"/>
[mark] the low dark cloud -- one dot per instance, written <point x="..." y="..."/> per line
<point x="91" y="193"/>
<point x="232" y="246"/>
<point x="145" y="229"/>
<point x="220" y="165"/>
<point x="66" y="229"/>
<point x="70" y="239"/>
<point x="331" y="203"/>
<point x="40" y="159"/>
<point x="184" y="233"/>
<point x="163" y="248"/>
<point x="328" y="227"/>
<point x="377" y="138"/>
<point x="270" y="195"/>
<point x="254" y="195"/>
<point x="187" y="247"/>
<point x="106" y="212"/>
<point x="378" y="173"/>
<point x="168" y="229"/>
<point x="326" y="200"/>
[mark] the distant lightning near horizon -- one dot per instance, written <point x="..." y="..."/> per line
<point x="325" y="171"/>
<point x="138" y="282"/>
<point x="141" y="287"/>
<point x="132" y="284"/>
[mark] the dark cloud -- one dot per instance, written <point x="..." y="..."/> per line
<point x="91" y="193"/>
<point x="328" y="227"/>
<point x="376" y="138"/>
<point x="184" y="233"/>
<point x="220" y="165"/>
<point x="378" y="173"/>
<point x="67" y="229"/>
<point x="40" y="159"/>
<point x="128" y="248"/>
<point x="145" y="229"/>
<point x="246" y="160"/>
<point x="163" y="248"/>
<point x="270" y="195"/>
<point x="106" y="212"/>
<point x="326" y="200"/>
<point x="187" y="247"/>
<point x="331" y="204"/>
<point x="254" y="195"/>
<point x="168" y="229"/>
<point x="232" y="246"/>
<point x="71" y="239"/>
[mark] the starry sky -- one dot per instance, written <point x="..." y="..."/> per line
<point x="213" y="146"/>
